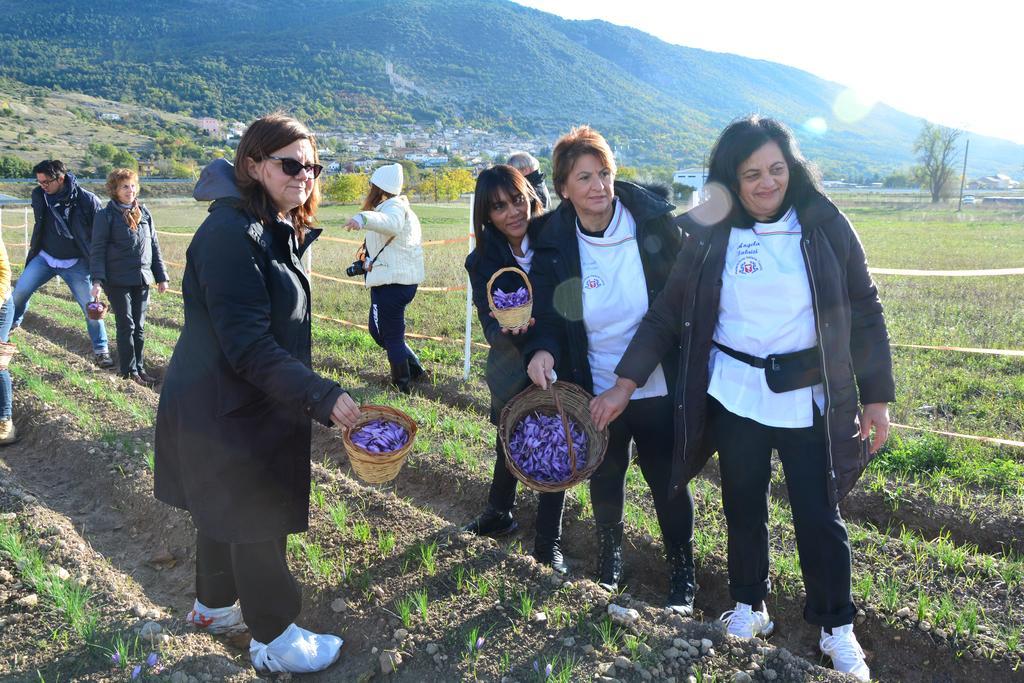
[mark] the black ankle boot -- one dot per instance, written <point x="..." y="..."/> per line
<point x="492" y="522"/>
<point x="546" y="550"/>
<point x="609" y="562"/>
<point x="416" y="370"/>
<point x="400" y="376"/>
<point x="681" y="583"/>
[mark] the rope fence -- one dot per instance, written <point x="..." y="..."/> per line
<point x="992" y="272"/>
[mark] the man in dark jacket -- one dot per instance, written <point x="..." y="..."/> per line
<point x="527" y="164"/>
<point x="61" y="239"/>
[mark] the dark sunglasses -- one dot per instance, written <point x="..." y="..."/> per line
<point x="293" y="168"/>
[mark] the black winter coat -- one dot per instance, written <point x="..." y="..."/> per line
<point x="121" y="256"/>
<point x="558" y="285"/>
<point x="505" y="372"/>
<point x="851" y="329"/>
<point x="233" y="426"/>
<point x="80" y="220"/>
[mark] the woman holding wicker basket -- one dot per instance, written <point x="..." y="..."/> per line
<point x="603" y="257"/>
<point x="504" y="222"/>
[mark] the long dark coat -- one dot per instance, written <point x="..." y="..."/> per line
<point x="233" y="427"/>
<point x="852" y="336"/>
<point x="124" y="257"/>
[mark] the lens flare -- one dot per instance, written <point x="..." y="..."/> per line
<point x="852" y="106"/>
<point x="715" y="205"/>
<point x="816" y="125"/>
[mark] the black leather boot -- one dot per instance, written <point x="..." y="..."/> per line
<point x="546" y="550"/>
<point x="681" y="583"/>
<point x="416" y="370"/>
<point x="492" y="522"/>
<point x="400" y="376"/>
<point x="609" y="562"/>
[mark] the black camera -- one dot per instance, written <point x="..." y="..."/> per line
<point x="356" y="269"/>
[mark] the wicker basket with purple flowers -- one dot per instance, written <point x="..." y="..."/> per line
<point x="379" y="442"/>
<point x="533" y="429"/>
<point x="514" y="308"/>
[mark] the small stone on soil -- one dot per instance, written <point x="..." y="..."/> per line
<point x="339" y="605"/>
<point x="29" y="601"/>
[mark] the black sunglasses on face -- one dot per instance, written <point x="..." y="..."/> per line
<point x="293" y="168"/>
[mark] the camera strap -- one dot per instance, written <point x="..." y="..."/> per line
<point x="369" y="264"/>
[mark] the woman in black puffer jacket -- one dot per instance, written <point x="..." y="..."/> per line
<point x="125" y="260"/>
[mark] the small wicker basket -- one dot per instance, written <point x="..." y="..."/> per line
<point x="378" y="468"/>
<point x="96" y="310"/>
<point x="7" y="352"/>
<point x="517" y="316"/>
<point x="567" y="400"/>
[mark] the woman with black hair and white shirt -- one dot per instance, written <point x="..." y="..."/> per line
<point x="780" y="335"/>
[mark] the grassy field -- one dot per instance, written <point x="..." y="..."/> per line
<point x="908" y="566"/>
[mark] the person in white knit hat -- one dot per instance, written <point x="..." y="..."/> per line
<point x="392" y="266"/>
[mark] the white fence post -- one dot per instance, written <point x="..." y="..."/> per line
<point x="469" y="303"/>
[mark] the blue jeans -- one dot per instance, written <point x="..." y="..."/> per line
<point x="38" y="272"/>
<point x="6" y="318"/>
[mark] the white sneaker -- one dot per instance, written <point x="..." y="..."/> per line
<point x="217" y="620"/>
<point x="296" y="651"/>
<point x="744" y="622"/>
<point x="846" y="653"/>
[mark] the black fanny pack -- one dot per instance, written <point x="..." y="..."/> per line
<point x="783" y="371"/>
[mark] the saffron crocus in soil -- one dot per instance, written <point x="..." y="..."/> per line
<point x="504" y="300"/>
<point x="152" y="659"/>
<point x="479" y="642"/>
<point x="538" y="447"/>
<point x="380" y="436"/>
<point x="116" y="658"/>
<point x="136" y="671"/>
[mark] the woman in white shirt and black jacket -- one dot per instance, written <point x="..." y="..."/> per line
<point x="506" y="221"/>
<point x="602" y="259"/>
<point x="780" y="328"/>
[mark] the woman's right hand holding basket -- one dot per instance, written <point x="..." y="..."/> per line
<point x="541" y="369"/>
<point x="607" y="406"/>
<point x="345" y="411"/>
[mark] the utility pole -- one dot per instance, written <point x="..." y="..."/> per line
<point x="963" y="177"/>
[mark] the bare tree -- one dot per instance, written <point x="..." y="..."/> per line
<point x="936" y="149"/>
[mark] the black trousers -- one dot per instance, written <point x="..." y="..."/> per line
<point x="255" y="574"/>
<point x="648" y="422"/>
<point x="129" y="304"/>
<point x="744" y="457"/>
<point x="387" y="319"/>
<point x="503" y="496"/>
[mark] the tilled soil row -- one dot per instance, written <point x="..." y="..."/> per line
<point x="110" y="509"/>
<point x="888" y="645"/>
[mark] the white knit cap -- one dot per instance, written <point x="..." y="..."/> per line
<point x="389" y="178"/>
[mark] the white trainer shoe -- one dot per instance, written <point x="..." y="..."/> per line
<point x="296" y="651"/>
<point x="846" y="653"/>
<point x="743" y="621"/>
<point x="217" y="620"/>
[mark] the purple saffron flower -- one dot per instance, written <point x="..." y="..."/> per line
<point x="547" y="670"/>
<point x="479" y="642"/>
<point x="116" y="658"/>
<point x="152" y="659"/>
<point x="503" y="300"/>
<point x="380" y="436"/>
<point x="136" y="671"/>
<point x="539" y="449"/>
<point x="536" y="666"/>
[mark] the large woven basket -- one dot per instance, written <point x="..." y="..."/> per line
<point x="517" y="316"/>
<point x="572" y="402"/>
<point x="7" y="352"/>
<point x="378" y="468"/>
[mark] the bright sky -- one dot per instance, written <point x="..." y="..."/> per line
<point x="959" y="64"/>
